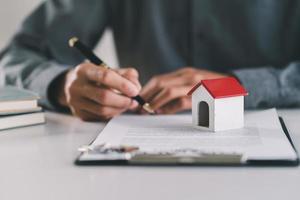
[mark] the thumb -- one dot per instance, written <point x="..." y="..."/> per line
<point x="134" y="106"/>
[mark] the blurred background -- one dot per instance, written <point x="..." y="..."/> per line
<point x="13" y="12"/>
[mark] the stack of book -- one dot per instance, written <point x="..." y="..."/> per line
<point x="19" y="108"/>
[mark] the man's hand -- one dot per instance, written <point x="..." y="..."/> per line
<point x="167" y="93"/>
<point x="95" y="93"/>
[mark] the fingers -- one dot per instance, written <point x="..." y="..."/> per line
<point x="109" y="78"/>
<point x="178" y="105"/>
<point x="167" y="95"/>
<point x="158" y="83"/>
<point x="90" y="100"/>
<point x="105" y="96"/>
<point x="89" y="110"/>
<point x="104" y="112"/>
<point x="164" y="89"/>
<point x="87" y="116"/>
<point x="151" y="88"/>
<point x="130" y="74"/>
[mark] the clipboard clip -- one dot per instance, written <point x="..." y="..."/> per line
<point x="106" y="148"/>
<point x="134" y="155"/>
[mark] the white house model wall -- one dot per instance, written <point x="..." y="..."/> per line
<point x="218" y="104"/>
<point x="201" y="94"/>
<point x="229" y="113"/>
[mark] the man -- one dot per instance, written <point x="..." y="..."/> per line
<point x="173" y="44"/>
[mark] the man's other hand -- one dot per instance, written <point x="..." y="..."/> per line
<point x="167" y="93"/>
<point x="94" y="93"/>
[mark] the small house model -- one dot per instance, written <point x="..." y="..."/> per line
<point x="218" y="104"/>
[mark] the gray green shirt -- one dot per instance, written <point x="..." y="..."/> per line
<point x="256" y="40"/>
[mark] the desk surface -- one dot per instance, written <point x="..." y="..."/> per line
<point x="37" y="163"/>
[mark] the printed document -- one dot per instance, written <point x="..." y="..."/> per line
<point x="262" y="137"/>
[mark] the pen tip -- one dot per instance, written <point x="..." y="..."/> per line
<point x="148" y="108"/>
<point x="72" y="41"/>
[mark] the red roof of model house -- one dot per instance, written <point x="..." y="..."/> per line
<point x="221" y="87"/>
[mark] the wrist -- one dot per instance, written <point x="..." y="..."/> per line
<point x="61" y="97"/>
<point x="56" y="92"/>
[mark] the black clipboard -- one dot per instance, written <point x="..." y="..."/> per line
<point x="247" y="163"/>
<point x="278" y="162"/>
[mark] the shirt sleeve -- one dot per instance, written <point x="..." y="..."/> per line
<point x="271" y="87"/>
<point x="38" y="53"/>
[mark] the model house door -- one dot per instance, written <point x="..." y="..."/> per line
<point x="203" y="114"/>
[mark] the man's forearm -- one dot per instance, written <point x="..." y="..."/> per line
<point x="38" y="53"/>
<point x="270" y="87"/>
<point x="25" y="69"/>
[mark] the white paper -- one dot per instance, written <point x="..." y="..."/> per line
<point x="262" y="138"/>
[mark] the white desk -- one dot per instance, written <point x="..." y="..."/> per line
<point x="37" y="164"/>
